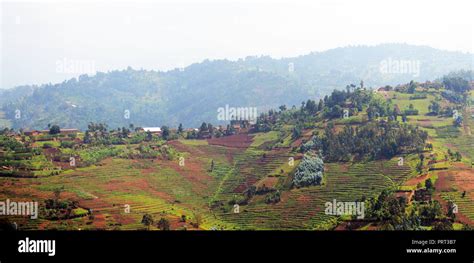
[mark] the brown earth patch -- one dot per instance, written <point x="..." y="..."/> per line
<point x="416" y="180"/>
<point x="268" y="182"/>
<point x="233" y="141"/>
<point x="445" y="181"/>
<point x="303" y="199"/>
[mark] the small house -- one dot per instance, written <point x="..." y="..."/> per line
<point x="153" y="130"/>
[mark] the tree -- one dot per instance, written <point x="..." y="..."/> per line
<point x="147" y="220"/>
<point x="422" y="157"/>
<point x="273" y="198"/>
<point x="149" y="136"/>
<point x="457" y="156"/>
<point x="212" y="165"/>
<point x="180" y="128"/>
<point x="87" y="137"/>
<point x="210" y="128"/>
<point x="165" y="132"/>
<point x="431" y="212"/>
<point x="163" y="224"/>
<point x="443" y="225"/>
<point x="458" y="121"/>
<point x="419" y="167"/>
<point x="320" y="105"/>
<point x="203" y="127"/>
<point x="429" y="184"/>
<point x="296" y="132"/>
<point x="434" y="107"/>
<point x="54" y="130"/>
<point x="57" y="194"/>
<point x="451" y="210"/>
<point x="429" y="146"/>
<point x="411" y="87"/>
<point x="404" y="118"/>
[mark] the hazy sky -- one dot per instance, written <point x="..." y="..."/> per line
<point x="50" y="41"/>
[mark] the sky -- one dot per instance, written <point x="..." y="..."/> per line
<point x="48" y="41"/>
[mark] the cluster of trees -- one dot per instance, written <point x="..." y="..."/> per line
<point x="434" y="108"/>
<point x="353" y="99"/>
<point x="99" y="134"/>
<point x="6" y="131"/>
<point x="374" y="140"/>
<point x="456" y="84"/>
<point x="10" y="144"/>
<point x="454" y="97"/>
<point x="392" y="212"/>
<point x="145" y="151"/>
<point x="309" y="172"/>
<point x="207" y="130"/>
<point x="162" y="224"/>
<point x="55" y="208"/>
<point x="456" y="156"/>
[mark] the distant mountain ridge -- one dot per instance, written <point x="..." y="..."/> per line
<point x="192" y="95"/>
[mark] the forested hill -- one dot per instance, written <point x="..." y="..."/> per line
<point x="193" y="94"/>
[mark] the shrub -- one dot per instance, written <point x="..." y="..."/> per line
<point x="273" y="198"/>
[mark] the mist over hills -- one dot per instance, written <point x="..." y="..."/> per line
<point x="193" y="94"/>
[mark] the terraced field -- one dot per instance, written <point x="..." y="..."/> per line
<point x="207" y="177"/>
<point x="167" y="189"/>
<point x="304" y="208"/>
<point x="457" y="185"/>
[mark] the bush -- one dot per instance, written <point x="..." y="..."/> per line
<point x="273" y="198"/>
<point x="47" y="146"/>
<point x="67" y="144"/>
<point x="410" y="112"/>
<point x="418" y="97"/>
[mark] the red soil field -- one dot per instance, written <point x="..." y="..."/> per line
<point x="417" y="180"/>
<point x="233" y="141"/>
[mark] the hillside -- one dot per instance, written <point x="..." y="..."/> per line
<point x="405" y="152"/>
<point x="193" y="95"/>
